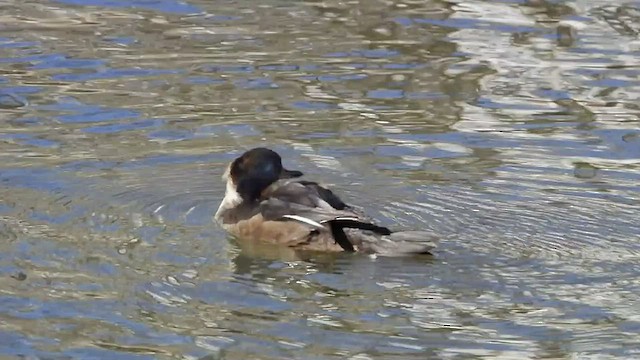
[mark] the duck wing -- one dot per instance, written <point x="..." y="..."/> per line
<point x="317" y="207"/>
<point x="306" y="193"/>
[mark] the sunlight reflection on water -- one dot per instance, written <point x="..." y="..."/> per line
<point x="507" y="127"/>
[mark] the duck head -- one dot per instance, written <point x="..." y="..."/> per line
<point x="251" y="173"/>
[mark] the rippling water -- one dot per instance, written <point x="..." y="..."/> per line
<point x="509" y="127"/>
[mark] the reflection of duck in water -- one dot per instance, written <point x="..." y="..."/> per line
<point x="263" y="203"/>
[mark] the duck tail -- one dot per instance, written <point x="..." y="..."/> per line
<point x="405" y="243"/>
<point x="375" y="239"/>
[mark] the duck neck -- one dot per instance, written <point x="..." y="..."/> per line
<point x="231" y="200"/>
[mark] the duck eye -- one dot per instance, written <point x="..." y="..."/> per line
<point x="267" y="168"/>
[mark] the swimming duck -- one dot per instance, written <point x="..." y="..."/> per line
<point x="267" y="203"/>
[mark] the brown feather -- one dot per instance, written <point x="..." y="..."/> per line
<point x="288" y="233"/>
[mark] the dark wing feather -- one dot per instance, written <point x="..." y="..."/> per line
<point x="305" y="193"/>
<point x="357" y="224"/>
<point x="325" y="194"/>
<point x="341" y="238"/>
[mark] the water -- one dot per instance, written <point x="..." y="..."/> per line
<point x="509" y="128"/>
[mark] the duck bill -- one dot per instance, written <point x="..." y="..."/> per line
<point x="290" y="174"/>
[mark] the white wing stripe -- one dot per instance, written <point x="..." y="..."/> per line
<point x="341" y="218"/>
<point x="304" y="220"/>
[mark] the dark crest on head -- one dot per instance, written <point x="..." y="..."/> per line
<point x="255" y="170"/>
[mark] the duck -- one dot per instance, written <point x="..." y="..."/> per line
<point x="267" y="203"/>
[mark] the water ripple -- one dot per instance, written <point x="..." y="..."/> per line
<point x="507" y="128"/>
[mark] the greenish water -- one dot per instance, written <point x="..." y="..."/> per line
<point x="508" y="127"/>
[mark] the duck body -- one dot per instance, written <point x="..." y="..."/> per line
<point x="264" y="202"/>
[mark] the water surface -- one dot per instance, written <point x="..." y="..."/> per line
<point x="509" y="128"/>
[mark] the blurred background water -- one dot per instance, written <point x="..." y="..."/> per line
<point x="509" y="127"/>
